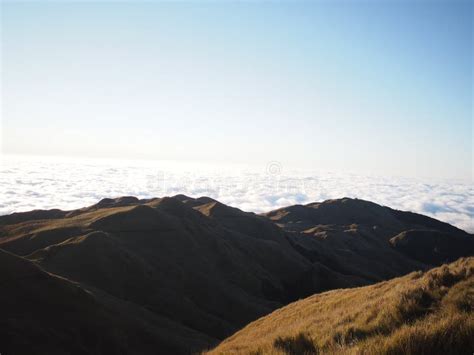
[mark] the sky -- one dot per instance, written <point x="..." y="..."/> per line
<point x="380" y="87"/>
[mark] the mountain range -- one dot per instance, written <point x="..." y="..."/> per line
<point x="178" y="275"/>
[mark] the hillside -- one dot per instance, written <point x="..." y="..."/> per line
<point x="188" y="272"/>
<point x="42" y="313"/>
<point x="421" y="313"/>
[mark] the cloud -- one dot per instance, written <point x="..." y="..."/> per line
<point x="27" y="184"/>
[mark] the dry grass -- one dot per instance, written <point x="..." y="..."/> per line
<point x="421" y="313"/>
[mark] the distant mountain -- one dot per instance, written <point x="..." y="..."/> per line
<point x="179" y="274"/>
<point x="421" y="313"/>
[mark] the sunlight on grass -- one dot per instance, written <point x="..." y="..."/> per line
<point x="421" y="313"/>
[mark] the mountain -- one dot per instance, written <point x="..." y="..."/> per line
<point x="361" y="238"/>
<point x="420" y="313"/>
<point x="179" y="274"/>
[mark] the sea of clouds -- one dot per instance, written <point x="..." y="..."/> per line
<point x="44" y="183"/>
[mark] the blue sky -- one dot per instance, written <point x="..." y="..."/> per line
<point x="377" y="87"/>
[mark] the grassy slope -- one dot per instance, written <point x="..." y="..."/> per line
<point x="421" y="313"/>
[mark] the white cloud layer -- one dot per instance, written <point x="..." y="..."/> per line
<point x="44" y="183"/>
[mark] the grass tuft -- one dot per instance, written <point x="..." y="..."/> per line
<point x="300" y="344"/>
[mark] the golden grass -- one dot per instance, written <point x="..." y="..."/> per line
<point x="421" y="313"/>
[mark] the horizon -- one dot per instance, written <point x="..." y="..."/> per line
<point x="69" y="183"/>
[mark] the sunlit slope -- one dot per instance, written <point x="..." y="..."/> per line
<point x="421" y="313"/>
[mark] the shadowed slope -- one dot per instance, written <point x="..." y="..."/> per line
<point x="46" y="314"/>
<point x="433" y="247"/>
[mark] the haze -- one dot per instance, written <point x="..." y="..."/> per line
<point x="373" y="87"/>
